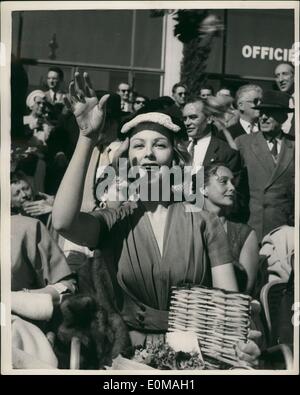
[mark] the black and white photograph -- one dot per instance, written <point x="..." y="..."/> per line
<point x="150" y="189"/>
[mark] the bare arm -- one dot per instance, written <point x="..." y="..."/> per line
<point x="223" y="277"/>
<point x="249" y="259"/>
<point x="82" y="228"/>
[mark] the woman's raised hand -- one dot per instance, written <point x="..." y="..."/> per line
<point x="89" y="112"/>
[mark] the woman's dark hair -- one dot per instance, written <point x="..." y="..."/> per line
<point x="57" y="70"/>
<point x="18" y="176"/>
<point x="136" y="94"/>
<point x="212" y="170"/>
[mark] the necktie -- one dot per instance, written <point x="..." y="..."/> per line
<point x="54" y="97"/>
<point x="191" y="148"/>
<point x="274" y="149"/>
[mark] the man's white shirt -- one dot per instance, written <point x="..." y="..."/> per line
<point x="248" y="127"/>
<point x="200" y="149"/>
<point x="286" y="126"/>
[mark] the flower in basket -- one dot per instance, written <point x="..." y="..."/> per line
<point x="162" y="356"/>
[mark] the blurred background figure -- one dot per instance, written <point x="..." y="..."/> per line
<point x="179" y="94"/>
<point x="229" y="116"/>
<point x="206" y="91"/>
<point x="26" y="201"/>
<point x="224" y="91"/>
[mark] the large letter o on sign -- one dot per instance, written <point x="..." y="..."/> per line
<point x="247" y="51"/>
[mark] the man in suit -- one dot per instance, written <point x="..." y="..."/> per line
<point x="55" y="78"/>
<point x="54" y="96"/>
<point x="203" y="145"/>
<point x="245" y="98"/>
<point x="269" y="161"/>
<point x="284" y="77"/>
<point x="124" y="92"/>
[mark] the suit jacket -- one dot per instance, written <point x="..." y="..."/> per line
<point x="236" y="130"/>
<point x="59" y="97"/>
<point x="219" y="151"/>
<point x="271" y="186"/>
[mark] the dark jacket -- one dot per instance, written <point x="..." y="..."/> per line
<point x="236" y="130"/>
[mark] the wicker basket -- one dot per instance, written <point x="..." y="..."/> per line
<point x="219" y="318"/>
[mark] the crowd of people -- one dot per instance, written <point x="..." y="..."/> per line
<point x="67" y="213"/>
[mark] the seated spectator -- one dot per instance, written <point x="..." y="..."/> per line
<point x="25" y="201"/>
<point x="219" y="195"/>
<point x="29" y="160"/>
<point x="278" y="247"/>
<point x="40" y="277"/>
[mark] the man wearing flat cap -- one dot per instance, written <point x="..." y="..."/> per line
<point x="269" y="161"/>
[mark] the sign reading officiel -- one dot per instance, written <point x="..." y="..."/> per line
<point x="270" y="53"/>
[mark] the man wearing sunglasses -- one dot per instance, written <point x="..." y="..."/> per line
<point x="179" y="94"/>
<point x="245" y="98"/>
<point x="139" y="102"/>
<point x="268" y="158"/>
<point x="124" y="91"/>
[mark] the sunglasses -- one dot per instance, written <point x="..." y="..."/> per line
<point x="124" y="90"/>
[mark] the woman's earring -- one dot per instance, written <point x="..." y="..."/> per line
<point x="203" y="191"/>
